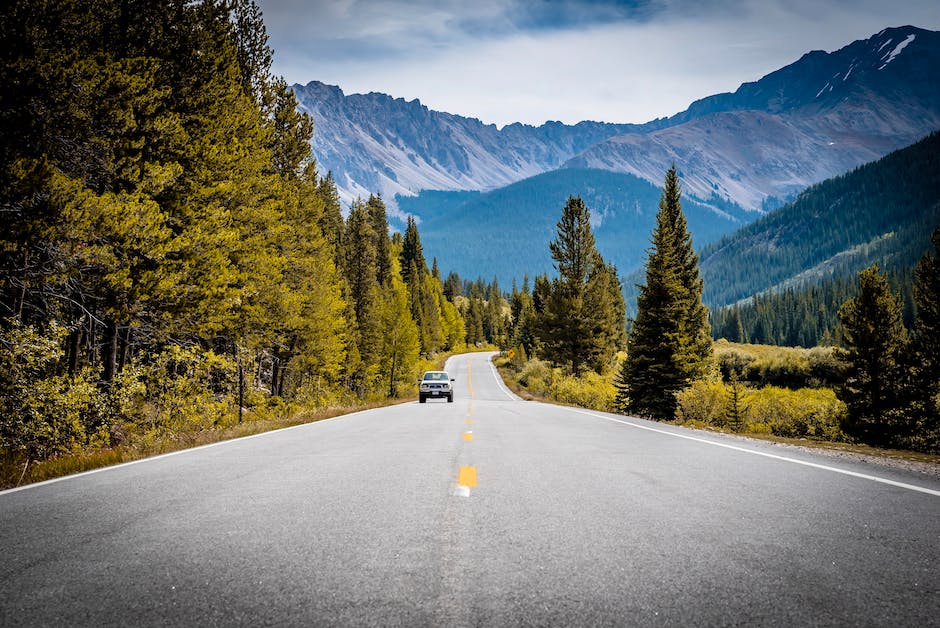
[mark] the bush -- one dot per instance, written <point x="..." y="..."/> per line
<point x="733" y="360"/>
<point x="789" y="367"/>
<point x="43" y="412"/>
<point x="187" y="390"/>
<point x="703" y="403"/>
<point x="588" y="391"/>
<point x="804" y="413"/>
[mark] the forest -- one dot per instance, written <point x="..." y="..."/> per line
<point x="172" y="263"/>
<point x="876" y="382"/>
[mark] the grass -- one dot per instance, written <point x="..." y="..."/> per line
<point x="18" y="473"/>
<point x="14" y="473"/>
<point x="503" y="366"/>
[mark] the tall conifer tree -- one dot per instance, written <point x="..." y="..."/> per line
<point x="926" y="343"/>
<point x="670" y="342"/>
<point x="580" y="312"/>
<point x="876" y="340"/>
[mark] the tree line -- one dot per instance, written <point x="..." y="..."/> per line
<point x="169" y="253"/>
<point x="887" y="377"/>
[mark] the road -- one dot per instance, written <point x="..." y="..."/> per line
<point x="489" y="511"/>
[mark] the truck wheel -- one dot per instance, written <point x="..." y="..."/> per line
<point x="422" y="399"/>
<point x="450" y="398"/>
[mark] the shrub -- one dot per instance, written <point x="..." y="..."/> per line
<point x="803" y="413"/>
<point x="42" y="412"/>
<point x="732" y="360"/>
<point x="808" y="412"/>
<point x="703" y="403"/>
<point x="187" y="390"/>
<point x="590" y="390"/>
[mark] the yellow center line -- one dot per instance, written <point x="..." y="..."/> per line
<point x="468" y="435"/>
<point x="467" y="477"/>
<point x="469" y="421"/>
<point x="470" y="378"/>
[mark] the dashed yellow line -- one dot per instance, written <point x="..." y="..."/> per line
<point x="467" y="477"/>
<point x="468" y="435"/>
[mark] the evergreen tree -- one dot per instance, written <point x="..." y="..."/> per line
<point x="665" y="350"/>
<point x="413" y="263"/>
<point x="875" y="339"/>
<point x="383" y="260"/>
<point x="607" y="315"/>
<point x="926" y="349"/>
<point x="399" y="339"/>
<point x="331" y="220"/>
<point x="582" y="311"/>
<point x="361" y="276"/>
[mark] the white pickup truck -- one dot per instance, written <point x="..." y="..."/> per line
<point x="436" y="385"/>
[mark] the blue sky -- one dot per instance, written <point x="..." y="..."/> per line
<point x="530" y="61"/>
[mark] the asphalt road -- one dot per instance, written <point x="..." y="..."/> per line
<point x="489" y="511"/>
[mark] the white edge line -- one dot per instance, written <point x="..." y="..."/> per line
<point x="499" y="381"/>
<point x="176" y="453"/>
<point x="815" y="465"/>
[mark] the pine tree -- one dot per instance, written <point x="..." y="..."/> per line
<point x="383" y="261"/>
<point x="331" y="220"/>
<point x="665" y="350"/>
<point x="606" y="312"/>
<point x="413" y="263"/>
<point x="363" y="294"/>
<point x="926" y="349"/>
<point x="581" y="312"/>
<point x="698" y="349"/>
<point x="876" y="340"/>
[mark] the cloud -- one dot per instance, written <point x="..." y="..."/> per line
<point x="533" y="60"/>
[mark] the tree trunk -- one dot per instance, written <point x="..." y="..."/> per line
<point x="125" y="337"/>
<point x="74" y="348"/>
<point x="23" y="281"/>
<point x="110" y="351"/>
<point x="275" y="373"/>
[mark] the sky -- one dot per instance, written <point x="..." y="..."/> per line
<point x="530" y="61"/>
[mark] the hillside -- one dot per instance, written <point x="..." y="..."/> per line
<point x="882" y="212"/>
<point x="505" y="232"/>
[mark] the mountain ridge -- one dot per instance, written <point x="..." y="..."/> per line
<point x="819" y="116"/>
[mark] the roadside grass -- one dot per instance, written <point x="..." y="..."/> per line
<point x="510" y="378"/>
<point x="18" y="471"/>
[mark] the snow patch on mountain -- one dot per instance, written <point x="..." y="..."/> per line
<point x="897" y="50"/>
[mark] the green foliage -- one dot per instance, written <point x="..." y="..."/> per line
<point x="581" y="320"/>
<point x="876" y="341"/>
<point x="881" y="212"/>
<point x="926" y="352"/>
<point x="669" y="344"/>
<point x="788" y="367"/>
<point x="803" y="413"/>
<point x="170" y="259"/>
<point x="587" y="390"/>
<point x="186" y="390"/>
<point x="42" y="412"/>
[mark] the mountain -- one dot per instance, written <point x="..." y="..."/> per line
<point x="375" y="143"/>
<point x="815" y="118"/>
<point x="882" y="212"/>
<point x="505" y="232"/>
